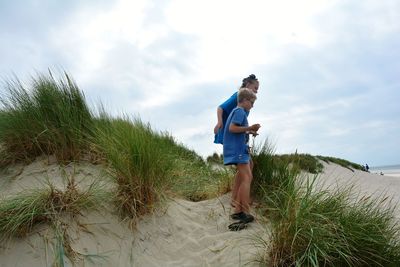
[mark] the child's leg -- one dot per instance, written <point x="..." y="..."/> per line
<point x="245" y="177"/>
<point x="235" y="188"/>
<point x="251" y="170"/>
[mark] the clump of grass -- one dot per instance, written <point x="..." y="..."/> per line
<point x="138" y="160"/>
<point x="322" y="228"/>
<point x="215" y="158"/>
<point x="272" y="177"/>
<point x="20" y="213"/>
<point x="145" y="164"/>
<point x="305" y="162"/>
<point x="51" y="117"/>
<point x="197" y="182"/>
<point x="329" y="229"/>
<point x="342" y="162"/>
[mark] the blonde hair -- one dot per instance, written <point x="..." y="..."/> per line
<point x="246" y="93"/>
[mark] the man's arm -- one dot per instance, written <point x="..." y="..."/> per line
<point x="219" y="120"/>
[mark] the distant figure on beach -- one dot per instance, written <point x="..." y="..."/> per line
<point x="366" y="167"/>
<point x="223" y="110"/>
<point x="236" y="152"/>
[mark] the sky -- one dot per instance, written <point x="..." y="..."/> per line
<point x="329" y="71"/>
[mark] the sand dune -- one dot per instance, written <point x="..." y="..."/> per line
<point x="179" y="233"/>
<point x="365" y="183"/>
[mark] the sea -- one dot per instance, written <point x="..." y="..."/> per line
<point x="389" y="170"/>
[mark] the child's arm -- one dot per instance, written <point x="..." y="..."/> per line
<point x="234" y="128"/>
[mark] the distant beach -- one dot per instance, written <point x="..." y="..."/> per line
<point x="389" y="170"/>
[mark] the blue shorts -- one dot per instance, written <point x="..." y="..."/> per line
<point x="237" y="159"/>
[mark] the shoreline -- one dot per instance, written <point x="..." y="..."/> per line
<point x="387" y="170"/>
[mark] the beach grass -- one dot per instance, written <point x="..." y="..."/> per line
<point x="304" y="162"/>
<point x="215" y="158"/>
<point x="51" y="117"/>
<point x="273" y="177"/>
<point x="20" y="213"/>
<point x="146" y="164"/>
<point x="200" y="181"/>
<point x="138" y="161"/>
<point x="342" y="162"/>
<point x="329" y="229"/>
<point x="319" y="227"/>
<point x="48" y="117"/>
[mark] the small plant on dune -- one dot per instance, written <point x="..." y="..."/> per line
<point x="20" y="213"/>
<point x="49" y="118"/>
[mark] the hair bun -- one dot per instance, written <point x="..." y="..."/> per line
<point x="250" y="79"/>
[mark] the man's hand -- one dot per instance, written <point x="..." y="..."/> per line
<point x="217" y="127"/>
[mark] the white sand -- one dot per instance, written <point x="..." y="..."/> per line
<point x="181" y="233"/>
<point x="365" y="183"/>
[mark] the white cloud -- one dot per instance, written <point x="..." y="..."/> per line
<point x="235" y="36"/>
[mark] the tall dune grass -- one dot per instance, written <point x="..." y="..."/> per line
<point x="145" y="163"/>
<point x="273" y="177"/>
<point x="50" y="117"/>
<point x="328" y="228"/>
<point x="322" y="228"/>
<point x="138" y="159"/>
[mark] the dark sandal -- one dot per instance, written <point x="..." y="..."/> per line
<point x="248" y="218"/>
<point x="242" y="217"/>
<point x="237" y="226"/>
<point x="238" y="216"/>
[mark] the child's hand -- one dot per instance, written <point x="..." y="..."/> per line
<point x="254" y="128"/>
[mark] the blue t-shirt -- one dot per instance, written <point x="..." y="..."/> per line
<point x="235" y="144"/>
<point x="227" y="108"/>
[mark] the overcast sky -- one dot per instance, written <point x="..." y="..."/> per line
<point x="329" y="70"/>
